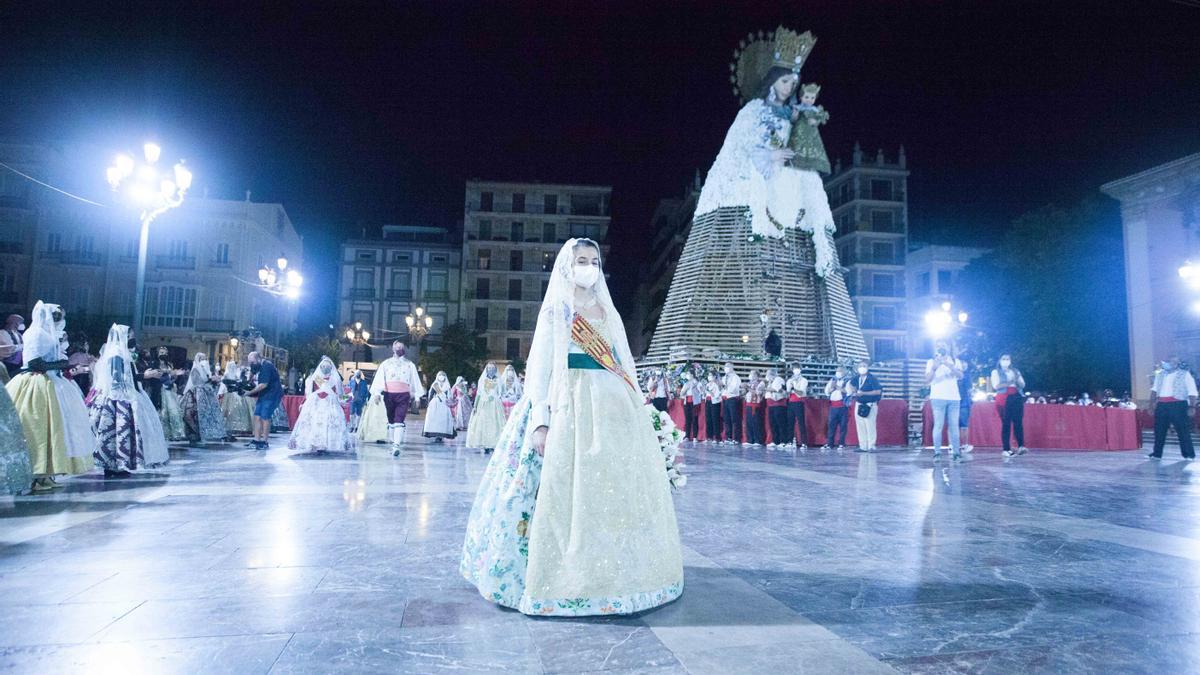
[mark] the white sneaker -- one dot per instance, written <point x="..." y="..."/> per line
<point x="968" y="448"/>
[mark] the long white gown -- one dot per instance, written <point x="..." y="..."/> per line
<point x="589" y="529"/>
<point x="439" y="420"/>
<point x="322" y="425"/>
<point x="487" y="415"/>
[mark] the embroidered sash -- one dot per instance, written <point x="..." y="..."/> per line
<point x="594" y="345"/>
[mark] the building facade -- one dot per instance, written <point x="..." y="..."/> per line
<point x="385" y="278"/>
<point x="512" y="233"/>
<point x="869" y="199"/>
<point x="1160" y="213"/>
<point x="671" y="223"/>
<point x="930" y="278"/>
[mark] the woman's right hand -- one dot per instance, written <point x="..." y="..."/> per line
<point x="539" y="440"/>
<point x="782" y="155"/>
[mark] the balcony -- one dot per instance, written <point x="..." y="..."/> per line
<point x="437" y="296"/>
<point x="91" y="258"/>
<point x="171" y="262"/>
<point x="220" y="263"/>
<point x="881" y="291"/>
<point x="214" y="326"/>
<point x="392" y="293"/>
<point x="362" y="293"/>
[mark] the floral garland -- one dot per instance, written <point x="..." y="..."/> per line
<point x="669" y="438"/>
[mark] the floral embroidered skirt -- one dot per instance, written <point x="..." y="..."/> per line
<point x="588" y="530"/>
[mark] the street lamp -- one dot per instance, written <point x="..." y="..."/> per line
<point x="155" y="193"/>
<point x="279" y="280"/>
<point x="358" y="338"/>
<point x="942" y="321"/>
<point x="419" y="323"/>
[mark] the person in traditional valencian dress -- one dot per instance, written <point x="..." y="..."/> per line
<point x="171" y="414"/>
<point x="322" y="426"/>
<point x="201" y="409"/>
<point x="233" y="404"/>
<point x="399" y="383"/>
<point x="487" y="418"/>
<point x="511" y="389"/>
<point x="154" y="437"/>
<point x="53" y="416"/>
<point x="16" y="473"/>
<point x="373" y="426"/>
<point x="111" y="402"/>
<point x="574" y="514"/>
<point x="460" y="404"/>
<point x="439" y="419"/>
<point x="360" y="393"/>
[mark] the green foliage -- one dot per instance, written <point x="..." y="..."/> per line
<point x="305" y="350"/>
<point x="458" y="355"/>
<point x="1053" y="295"/>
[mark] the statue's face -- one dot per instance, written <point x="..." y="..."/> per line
<point x="785" y="85"/>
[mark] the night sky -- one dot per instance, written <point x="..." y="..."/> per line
<point x="355" y="114"/>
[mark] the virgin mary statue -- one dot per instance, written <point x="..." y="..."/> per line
<point x="574" y="515"/>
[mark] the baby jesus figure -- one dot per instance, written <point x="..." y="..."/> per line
<point x="805" y="139"/>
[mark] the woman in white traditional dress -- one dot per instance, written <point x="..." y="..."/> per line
<point x="154" y="437"/>
<point x="373" y="425"/>
<point x="754" y="167"/>
<point x="511" y="389"/>
<point x="51" y="409"/>
<point x="233" y="405"/>
<point x="171" y="415"/>
<point x="201" y="409"/>
<point x="460" y="403"/>
<point x="128" y="431"/>
<point x="439" y="420"/>
<point x="487" y="420"/>
<point x="321" y="426"/>
<point x="574" y="514"/>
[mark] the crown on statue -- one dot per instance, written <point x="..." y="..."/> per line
<point x="812" y="89"/>
<point x="758" y="53"/>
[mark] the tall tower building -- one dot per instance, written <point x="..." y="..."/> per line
<point x="869" y="200"/>
<point x="512" y="234"/>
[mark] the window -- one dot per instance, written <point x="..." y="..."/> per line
<point x="586" y="205"/>
<point x="945" y="282"/>
<point x="588" y="231"/>
<point x="53" y="242"/>
<point x="923" y="283"/>
<point x="550" y="204"/>
<point x="518" y="202"/>
<point x="364" y="279"/>
<point x="439" y="282"/>
<point x="512" y="349"/>
<point x="481" y="318"/>
<point x="882" y="221"/>
<point x="216" y="305"/>
<point x="170" y="307"/>
<point x="396" y="319"/>
<point x="516" y="261"/>
<point x="7" y="281"/>
<point x="844" y="193"/>
<point x="365" y="256"/>
<point x="131" y="249"/>
<point x="362" y="315"/>
<point x="883" y="284"/>
<point x="881" y="253"/>
<point x="402" y="257"/>
<point x="222" y="255"/>
<point x="485" y="229"/>
<point x="518" y="231"/>
<point x="85" y="243"/>
<point x="514" y="289"/>
<point x="549" y="233"/>
<point x="483" y="288"/>
<point x="545" y="286"/>
<point x="886" y="348"/>
<point x="402" y="281"/>
<point x="177" y="249"/>
<point x="485" y="201"/>
<point x="881" y="190"/>
<point x="884" y="316"/>
<point x="439" y="259"/>
<point x="514" y="319"/>
<point x="485" y="259"/>
<point x="547" y="262"/>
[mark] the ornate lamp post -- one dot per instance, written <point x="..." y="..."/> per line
<point x="943" y="321"/>
<point x="419" y="324"/>
<point x="154" y="192"/>
<point x="281" y="282"/>
<point x="358" y="338"/>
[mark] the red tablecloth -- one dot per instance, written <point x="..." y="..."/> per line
<point x="1052" y="427"/>
<point x="891" y="423"/>
<point x="292" y="405"/>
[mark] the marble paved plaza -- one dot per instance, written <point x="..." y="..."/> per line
<point x="236" y="561"/>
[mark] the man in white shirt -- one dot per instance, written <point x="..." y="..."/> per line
<point x="11" y="344"/>
<point x="1173" y="397"/>
<point x="731" y="405"/>
<point x="797" y="391"/>
<point x="658" y="390"/>
<point x="398" y="381"/>
<point x="712" y="409"/>
<point x="692" y="393"/>
<point x="942" y="374"/>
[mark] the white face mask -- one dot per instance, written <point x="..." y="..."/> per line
<point x="796" y="372"/>
<point x="21" y="327"/>
<point x="586" y="275"/>
<point x="862" y="370"/>
<point x="1004" y="363"/>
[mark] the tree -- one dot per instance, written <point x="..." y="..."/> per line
<point x="305" y="351"/>
<point x="460" y="354"/>
<point x="1053" y="295"/>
